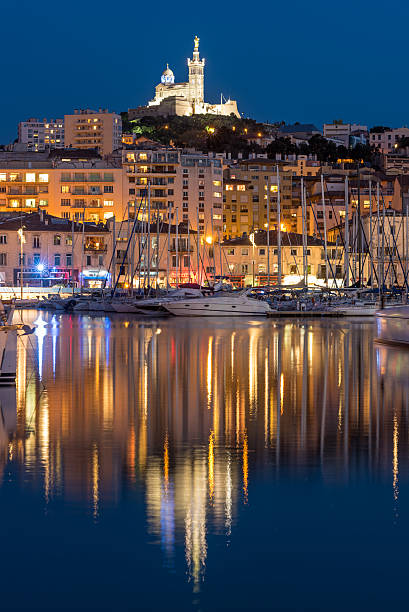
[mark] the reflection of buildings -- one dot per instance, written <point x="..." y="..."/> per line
<point x="191" y="413"/>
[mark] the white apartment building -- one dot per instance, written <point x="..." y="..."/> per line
<point x="386" y="141"/>
<point x="341" y="133"/>
<point x="41" y="135"/>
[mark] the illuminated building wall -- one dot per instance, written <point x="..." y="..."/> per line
<point x="87" y="129"/>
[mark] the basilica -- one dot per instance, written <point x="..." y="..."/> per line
<point x="184" y="99"/>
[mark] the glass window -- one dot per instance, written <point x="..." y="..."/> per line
<point x="108" y="202"/>
<point x="43" y="178"/>
<point x="30" y="202"/>
<point x="30" y="177"/>
<point x="57" y="259"/>
<point x="57" y="239"/>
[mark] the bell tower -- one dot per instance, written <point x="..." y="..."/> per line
<point x="196" y="77"/>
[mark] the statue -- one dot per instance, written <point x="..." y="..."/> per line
<point x="197" y="43"/>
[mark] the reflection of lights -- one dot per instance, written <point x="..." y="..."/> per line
<point x="40" y="332"/>
<point x="282" y="393"/>
<point x="245" y="468"/>
<point x="211" y="465"/>
<point x="40" y="267"/>
<point x="209" y="372"/>
<point x="395" y="461"/>
<point x="95" y="481"/>
<point x="209" y="239"/>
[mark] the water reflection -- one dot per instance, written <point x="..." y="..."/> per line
<point x="192" y="411"/>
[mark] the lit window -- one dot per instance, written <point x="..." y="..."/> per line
<point x="30" y="177"/>
<point x="217" y="194"/>
<point x="108" y="202"/>
<point x="217" y="183"/>
<point x="241" y="188"/>
<point x="65" y="189"/>
<point x="108" y="215"/>
<point x="30" y="203"/>
<point x="229" y="187"/>
<point x="217" y="217"/>
<point x="43" y="203"/>
<point x="43" y="178"/>
<point x="14" y="203"/>
<point x="143" y="156"/>
<point x="143" y="168"/>
<point x="274" y="188"/>
<point x="3" y="177"/>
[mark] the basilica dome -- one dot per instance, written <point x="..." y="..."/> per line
<point x="167" y="76"/>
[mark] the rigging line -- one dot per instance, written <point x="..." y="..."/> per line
<point x="319" y="231"/>
<point x="128" y="245"/>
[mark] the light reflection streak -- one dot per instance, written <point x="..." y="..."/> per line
<point x="395" y="460"/>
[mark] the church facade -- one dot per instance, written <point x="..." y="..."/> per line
<point x="184" y="99"/>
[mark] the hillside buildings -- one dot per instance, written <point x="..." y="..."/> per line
<point x="184" y="98"/>
<point x="346" y="134"/>
<point x="387" y="140"/>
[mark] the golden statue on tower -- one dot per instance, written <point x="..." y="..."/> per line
<point x="197" y="39"/>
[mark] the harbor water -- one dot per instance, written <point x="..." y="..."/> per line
<point x="204" y="464"/>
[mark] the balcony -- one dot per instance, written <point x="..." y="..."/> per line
<point x="94" y="248"/>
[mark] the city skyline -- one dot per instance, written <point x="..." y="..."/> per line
<point x="266" y="70"/>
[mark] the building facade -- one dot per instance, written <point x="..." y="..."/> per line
<point x="181" y="185"/>
<point x="71" y="189"/>
<point x="54" y="251"/>
<point x="387" y="140"/>
<point x="41" y="135"/>
<point x="88" y="129"/>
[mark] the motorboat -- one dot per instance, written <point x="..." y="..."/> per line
<point x="356" y="310"/>
<point x="392" y="324"/>
<point x="226" y="305"/>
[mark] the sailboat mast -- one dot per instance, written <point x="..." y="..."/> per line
<point x="346" y="240"/>
<point x="278" y="229"/>
<point x="324" y="212"/>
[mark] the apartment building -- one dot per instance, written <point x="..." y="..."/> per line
<point x="180" y="185"/>
<point x="88" y="129"/>
<point x="250" y="197"/>
<point x="87" y="190"/>
<point x="71" y="188"/>
<point x="55" y="251"/>
<point x="387" y="140"/>
<point x="39" y="135"/>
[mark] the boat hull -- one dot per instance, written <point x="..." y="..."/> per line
<point x="218" y="308"/>
<point x="392" y="325"/>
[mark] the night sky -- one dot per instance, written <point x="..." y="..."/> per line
<point x="292" y="61"/>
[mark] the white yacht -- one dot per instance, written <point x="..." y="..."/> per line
<point x="393" y="324"/>
<point x="226" y="305"/>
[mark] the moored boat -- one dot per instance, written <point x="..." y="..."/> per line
<point x="392" y="324"/>
<point x="236" y="305"/>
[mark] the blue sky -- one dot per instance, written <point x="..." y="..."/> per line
<point x="292" y="61"/>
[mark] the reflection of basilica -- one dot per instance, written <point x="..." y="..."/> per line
<point x="190" y="412"/>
